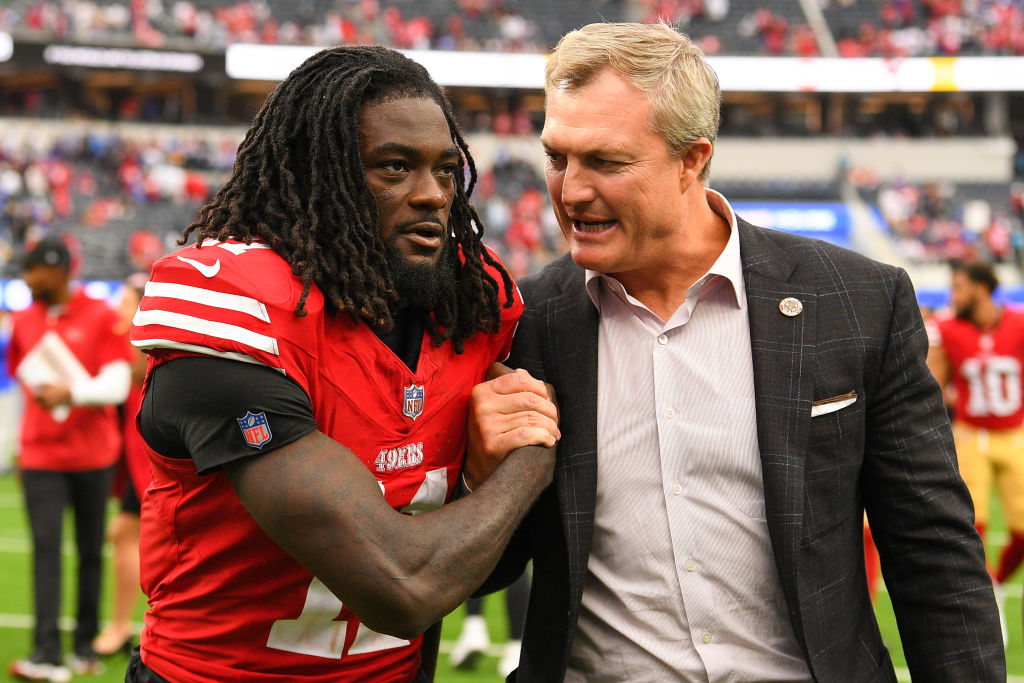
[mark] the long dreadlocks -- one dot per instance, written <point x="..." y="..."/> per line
<point x="299" y="184"/>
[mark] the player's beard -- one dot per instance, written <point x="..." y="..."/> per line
<point x="966" y="310"/>
<point x="420" y="285"/>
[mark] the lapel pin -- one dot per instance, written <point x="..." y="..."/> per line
<point x="791" y="306"/>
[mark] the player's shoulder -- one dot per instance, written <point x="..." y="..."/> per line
<point x="1014" y="315"/>
<point x="252" y="271"/>
<point x="226" y="299"/>
<point x="88" y="305"/>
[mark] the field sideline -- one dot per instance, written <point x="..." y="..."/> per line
<point x="16" y="619"/>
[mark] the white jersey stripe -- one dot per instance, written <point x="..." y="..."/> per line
<point x="143" y="344"/>
<point x="207" y="297"/>
<point x="208" y="327"/>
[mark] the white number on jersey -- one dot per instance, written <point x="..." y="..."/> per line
<point x="317" y="633"/>
<point x="993" y="384"/>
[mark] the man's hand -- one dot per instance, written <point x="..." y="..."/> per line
<point x="50" y="396"/>
<point x="510" y="410"/>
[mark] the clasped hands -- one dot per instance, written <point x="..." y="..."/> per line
<point x="509" y="410"/>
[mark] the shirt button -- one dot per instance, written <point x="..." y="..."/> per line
<point x="670" y="413"/>
<point x="662" y="339"/>
<point x="705" y="637"/>
<point x="691" y="565"/>
<point x="677" y="489"/>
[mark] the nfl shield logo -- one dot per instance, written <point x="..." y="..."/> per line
<point x="412" y="401"/>
<point x="255" y="428"/>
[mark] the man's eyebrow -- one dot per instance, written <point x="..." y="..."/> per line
<point x="409" y="150"/>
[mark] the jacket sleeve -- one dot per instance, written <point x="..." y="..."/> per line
<point x="921" y="515"/>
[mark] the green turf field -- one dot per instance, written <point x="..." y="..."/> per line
<point x="16" y="619"/>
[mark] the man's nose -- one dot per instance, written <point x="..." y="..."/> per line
<point x="576" y="186"/>
<point x="429" y="191"/>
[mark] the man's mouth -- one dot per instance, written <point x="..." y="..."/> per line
<point x="427" y="235"/>
<point x="591" y="226"/>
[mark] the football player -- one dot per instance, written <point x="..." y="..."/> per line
<point x="977" y="350"/>
<point x="312" y="356"/>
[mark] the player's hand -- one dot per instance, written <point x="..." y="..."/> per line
<point x="50" y="396"/>
<point x="508" y="411"/>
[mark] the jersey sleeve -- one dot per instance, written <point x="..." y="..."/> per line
<point x="247" y="410"/>
<point x="233" y="301"/>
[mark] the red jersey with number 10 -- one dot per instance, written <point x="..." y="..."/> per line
<point x="986" y="369"/>
<point x="226" y="603"/>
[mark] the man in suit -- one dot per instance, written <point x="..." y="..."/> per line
<point x="732" y="399"/>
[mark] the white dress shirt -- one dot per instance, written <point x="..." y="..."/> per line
<point x="682" y="583"/>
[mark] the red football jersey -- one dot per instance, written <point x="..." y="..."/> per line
<point x="226" y="603"/>
<point x="986" y="369"/>
<point x="89" y="437"/>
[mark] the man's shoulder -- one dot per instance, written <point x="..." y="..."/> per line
<point x="1015" y="316"/>
<point x="811" y="260"/>
<point x="556" y="278"/>
<point x="86" y="305"/>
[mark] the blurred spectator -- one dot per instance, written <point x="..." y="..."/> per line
<point x="73" y="369"/>
<point x="937" y="222"/>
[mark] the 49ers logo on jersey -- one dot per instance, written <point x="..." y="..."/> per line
<point x="391" y="459"/>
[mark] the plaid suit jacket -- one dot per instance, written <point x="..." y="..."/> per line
<point x="890" y="453"/>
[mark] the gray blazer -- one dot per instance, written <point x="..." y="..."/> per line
<point x="890" y="453"/>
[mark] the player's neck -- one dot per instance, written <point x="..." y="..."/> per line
<point x="986" y="315"/>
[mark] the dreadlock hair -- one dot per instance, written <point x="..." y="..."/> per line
<point x="298" y="183"/>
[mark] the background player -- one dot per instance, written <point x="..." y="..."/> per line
<point x="339" y="294"/>
<point x="73" y="367"/>
<point x="977" y="351"/>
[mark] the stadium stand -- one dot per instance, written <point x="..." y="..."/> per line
<point x="123" y="194"/>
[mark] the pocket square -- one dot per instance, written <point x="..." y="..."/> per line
<point x="831" y="405"/>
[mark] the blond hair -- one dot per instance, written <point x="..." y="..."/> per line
<point x="655" y="58"/>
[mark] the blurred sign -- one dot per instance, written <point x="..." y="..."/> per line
<point x="122" y="58"/>
<point x="829" y="221"/>
<point x="736" y="74"/>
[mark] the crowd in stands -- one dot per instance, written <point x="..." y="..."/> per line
<point x="906" y="28"/>
<point x="125" y="201"/>
<point x="104" y="190"/>
<point x="887" y="28"/>
<point x="451" y="25"/>
<point x="940" y="222"/>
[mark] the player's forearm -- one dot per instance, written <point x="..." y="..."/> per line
<point x="449" y="552"/>
<point x="397" y="573"/>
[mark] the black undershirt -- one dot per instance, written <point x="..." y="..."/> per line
<point x="406" y="337"/>
<point x="185" y="414"/>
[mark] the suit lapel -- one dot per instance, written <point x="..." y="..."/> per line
<point x="782" y="350"/>
<point x="574" y="376"/>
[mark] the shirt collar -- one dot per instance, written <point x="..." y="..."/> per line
<point x="728" y="265"/>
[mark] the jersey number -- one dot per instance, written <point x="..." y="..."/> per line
<point x="316" y="632"/>
<point x="993" y="385"/>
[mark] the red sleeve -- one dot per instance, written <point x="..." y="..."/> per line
<point x="231" y="301"/>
